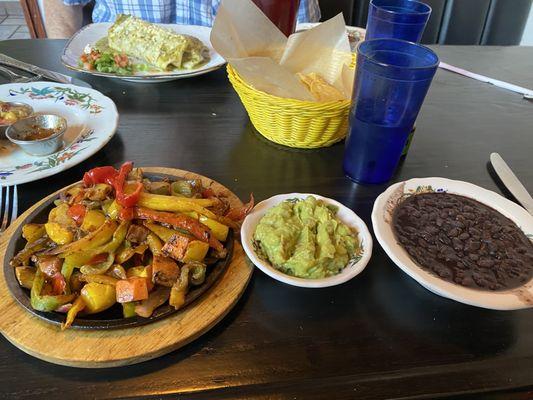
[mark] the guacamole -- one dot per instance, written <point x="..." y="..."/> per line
<point x="304" y="238"/>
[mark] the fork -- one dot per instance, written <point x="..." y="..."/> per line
<point x="16" y="78"/>
<point x="6" y="207"/>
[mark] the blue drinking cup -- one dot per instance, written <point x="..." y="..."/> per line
<point x="397" y="19"/>
<point x="391" y="82"/>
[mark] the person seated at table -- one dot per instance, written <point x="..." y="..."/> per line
<point x="65" y="17"/>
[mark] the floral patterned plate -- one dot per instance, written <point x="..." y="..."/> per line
<point x="521" y="297"/>
<point x="92" y="120"/>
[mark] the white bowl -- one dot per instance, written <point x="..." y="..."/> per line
<point x="384" y="205"/>
<point x="346" y="215"/>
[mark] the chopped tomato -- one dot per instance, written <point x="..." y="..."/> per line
<point x="121" y="60"/>
<point x="77" y="213"/>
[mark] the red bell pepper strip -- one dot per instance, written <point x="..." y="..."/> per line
<point x="100" y="175"/>
<point x="238" y="214"/>
<point x="126" y="200"/>
<point x="196" y="228"/>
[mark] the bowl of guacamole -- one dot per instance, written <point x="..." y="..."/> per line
<point x="306" y="240"/>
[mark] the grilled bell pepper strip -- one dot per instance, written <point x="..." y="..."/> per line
<point x="46" y="302"/>
<point x="197" y="229"/>
<point x="77" y="306"/>
<point x="162" y="202"/>
<point x="126" y="200"/>
<point x="100" y="175"/>
<point x="23" y="256"/>
<point x="94" y="239"/>
<point x="77" y="259"/>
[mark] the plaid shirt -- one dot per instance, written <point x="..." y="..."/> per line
<point x="189" y="12"/>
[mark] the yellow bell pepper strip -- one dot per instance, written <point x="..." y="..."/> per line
<point x="98" y="278"/>
<point x="128" y="252"/>
<point x="77" y="307"/>
<point x="92" y="220"/>
<point x="219" y="230"/>
<point x="117" y="271"/>
<point x="191" y="225"/>
<point x="25" y="276"/>
<point x="92" y="240"/>
<point x="179" y="290"/>
<point x="163" y="232"/>
<point x="97" y="297"/>
<point x="46" y="302"/>
<point x="82" y="257"/>
<point x="128" y="309"/>
<point x="155" y="299"/>
<point x="196" y="251"/>
<point x="32" y="232"/>
<point x="78" y="258"/>
<point x="154" y="243"/>
<point x="180" y="204"/>
<point x="113" y="210"/>
<point x="161" y="202"/>
<point x="58" y="233"/>
<point x="99" y="264"/>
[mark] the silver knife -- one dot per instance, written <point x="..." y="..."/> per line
<point x="45" y="73"/>
<point x="511" y="182"/>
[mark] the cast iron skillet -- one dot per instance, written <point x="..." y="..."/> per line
<point x="111" y="318"/>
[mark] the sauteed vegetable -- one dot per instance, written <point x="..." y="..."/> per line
<point x="119" y="237"/>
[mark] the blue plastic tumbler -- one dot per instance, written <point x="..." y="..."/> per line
<point x="398" y="19"/>
<point x="391" y="82"/>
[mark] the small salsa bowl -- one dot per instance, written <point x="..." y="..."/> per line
<point x="346" y="215"/>
<point x="25" y="107"/>
<point x="38" y="147"/>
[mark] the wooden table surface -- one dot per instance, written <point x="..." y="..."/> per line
<point x="381" y="335"/>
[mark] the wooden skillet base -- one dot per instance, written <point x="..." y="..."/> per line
<point x="113" y="348"/>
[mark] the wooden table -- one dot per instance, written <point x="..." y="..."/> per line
<point x="379" y="336"/>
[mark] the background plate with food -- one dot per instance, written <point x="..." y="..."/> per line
<point x="320" y="271"/>
<point x="355" y="33"/>
<point x="471" y="238"/>
<point x="107" y="49"/>
<point x="92" y="120"/>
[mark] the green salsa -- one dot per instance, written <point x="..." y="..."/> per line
<point x="304" y="238"/>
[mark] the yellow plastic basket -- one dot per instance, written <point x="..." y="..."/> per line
<point x="293" y="123"/>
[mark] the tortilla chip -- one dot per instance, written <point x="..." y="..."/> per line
<point x="321" y="90"/>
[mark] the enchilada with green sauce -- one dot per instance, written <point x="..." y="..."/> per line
<point x="158" y="46"/>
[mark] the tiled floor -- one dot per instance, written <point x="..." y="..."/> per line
<point x="12" y="23"/>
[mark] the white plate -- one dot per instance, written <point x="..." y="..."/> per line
<point x="92" y="120"/>
<point x="91" y="33"/>
<point x="381" y="220"/>
<point x="344" y="214"/>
